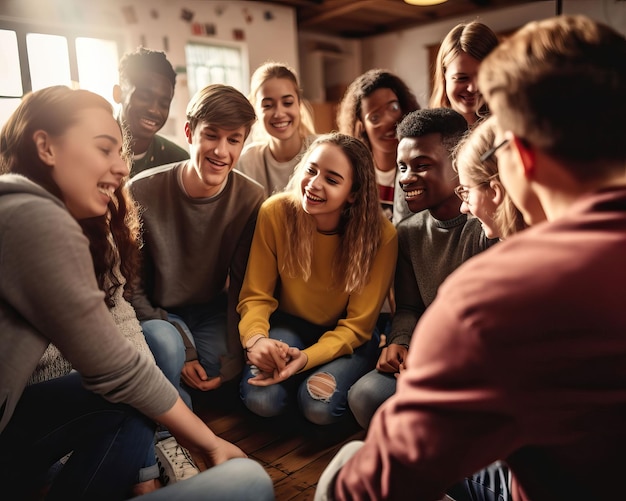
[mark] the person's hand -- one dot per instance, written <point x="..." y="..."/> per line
<point x="266" y="354"/>
<point x="297" y="360"/>
<point x="194" y="375"/>
<point x="392" y="359"/>
<point x="220" y="453"/>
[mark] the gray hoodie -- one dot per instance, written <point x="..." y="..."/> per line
<point x="49" y="293"/>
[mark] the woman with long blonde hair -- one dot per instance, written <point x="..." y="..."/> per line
<point x="321" y="262"/>
<point x="456" y="69"/>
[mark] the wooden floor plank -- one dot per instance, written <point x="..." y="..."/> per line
<point x="293" y="451"/>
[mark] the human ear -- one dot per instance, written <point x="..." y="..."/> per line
<point x="44" y="147"/>
<point x="498" y="191"/>
<point x="359" y="130"/>
<point x="526" y="155"/>
<point x="188" y="133"/>
<point x="117" y="94"/>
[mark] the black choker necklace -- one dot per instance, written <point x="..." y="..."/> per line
<point x="331" y="232"/>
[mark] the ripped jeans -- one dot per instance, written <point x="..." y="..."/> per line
<point x="321" y="393"/>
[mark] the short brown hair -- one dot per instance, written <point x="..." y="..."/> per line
<point x="221" y="106"/>
<point x="560" y="84"/>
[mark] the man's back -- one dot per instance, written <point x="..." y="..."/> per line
<point x="536" y="328"/>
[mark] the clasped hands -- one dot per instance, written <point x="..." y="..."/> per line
<point x="275" y="360"/>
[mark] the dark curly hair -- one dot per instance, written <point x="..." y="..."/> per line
<point x="142" y="59"/>
<point x="445" y="121"/>
<point x="349" y="118"/>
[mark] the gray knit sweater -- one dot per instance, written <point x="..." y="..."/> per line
<point x="53" y="364"/>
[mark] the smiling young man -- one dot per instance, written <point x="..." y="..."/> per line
<point x="145" y="91"/>
<point x="198" y="219"/>
<point x="432" y="242"/>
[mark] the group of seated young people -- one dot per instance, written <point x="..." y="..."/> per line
<point x="479" y="372"/>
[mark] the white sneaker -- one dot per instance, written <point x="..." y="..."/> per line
<point x="175" y="462"/>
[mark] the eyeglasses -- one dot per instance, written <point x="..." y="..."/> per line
<point x="393" y="107"/>
<point x="489" y="153"/>
<point x="463" y="191"/>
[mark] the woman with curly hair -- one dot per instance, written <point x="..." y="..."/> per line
<point x="374" y="103"/>
<point x="321" y="262"/>
<point x="63" y="160"/>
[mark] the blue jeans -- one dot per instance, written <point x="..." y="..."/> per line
<point x="205" y="327"/>
<point x="58" y="416"/>
<point x="168" y="350"/>
<point x="273" y="400"/>
<point x="235" y="480"/>
<point x="368" y="394"/>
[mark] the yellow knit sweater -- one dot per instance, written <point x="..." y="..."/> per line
<point x="350" y="318"/>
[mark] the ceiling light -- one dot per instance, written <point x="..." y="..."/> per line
<point x="424" y="3"/>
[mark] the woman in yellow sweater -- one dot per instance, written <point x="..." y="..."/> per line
<point x="321" y="261"/>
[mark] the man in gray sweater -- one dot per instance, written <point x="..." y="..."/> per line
<point x="198" y="219"/>
<point x="432" y="243"/>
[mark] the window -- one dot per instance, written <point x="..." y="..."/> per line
<point x="211" y="63"/>
<point x="33" y="57"/>
<point x="10" y="78"/>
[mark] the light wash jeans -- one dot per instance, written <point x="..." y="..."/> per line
<point x="109" y="443"/>
<point x="368" y="394"/>
<point x="168" y="350"/>
<point x="273" y="400"/>
<point x="235" y="480"/>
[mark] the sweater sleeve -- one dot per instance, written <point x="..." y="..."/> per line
<point x="256" y="300"/>
<point x="48" y="279"/>
<point x="362" y="310"/>
<point x="450" y="416"/>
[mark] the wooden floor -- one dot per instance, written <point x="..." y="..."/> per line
<point x="293" y="451"/>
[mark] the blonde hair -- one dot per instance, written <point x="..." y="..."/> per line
<point x="270" y="70"/>
<point x="475" y="39"/>
<point x="361" y="224"/>
<point x="507" y="218"/>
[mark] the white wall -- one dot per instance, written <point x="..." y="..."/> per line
<point x="405" y="52"/>
<point x="159" y="26"/>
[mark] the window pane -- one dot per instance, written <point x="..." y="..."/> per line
<point x="97" y="66"/>
<point x="10" y="75"/>
<point x="49" y="60"/>
<point x="208" y="64"/>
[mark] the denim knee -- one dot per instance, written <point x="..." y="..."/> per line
<point x="320" y="401"/>
<point x="265" y="401"/>
<point x="166" y="346"/>
<point x="368" y="394"/>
